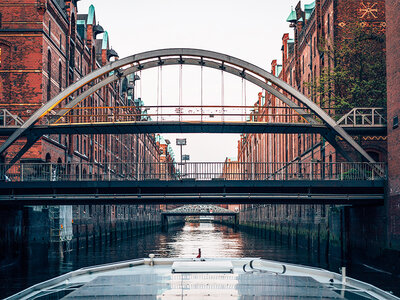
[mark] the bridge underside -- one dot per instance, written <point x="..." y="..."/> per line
<point x="198" y="214"/>
<point x="193" y="192"/>
<point x="189" y="127"/>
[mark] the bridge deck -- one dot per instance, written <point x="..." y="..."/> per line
<point x="193" y="192"/>
<point x="190" y="127"/>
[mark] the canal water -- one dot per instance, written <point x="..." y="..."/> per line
<point x="39" y="263"/>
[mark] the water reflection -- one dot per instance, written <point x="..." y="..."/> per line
<point x="38" y="263"/>
<point x="210" y="238"/>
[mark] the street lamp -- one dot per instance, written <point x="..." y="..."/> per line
<point x="181" y="143"/>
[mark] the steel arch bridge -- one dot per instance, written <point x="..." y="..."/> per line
<point x="113" y="71"/>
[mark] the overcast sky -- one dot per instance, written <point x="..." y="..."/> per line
<point x="250" y="30"/>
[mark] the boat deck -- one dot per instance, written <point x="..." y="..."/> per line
<point x="202" y="279"/>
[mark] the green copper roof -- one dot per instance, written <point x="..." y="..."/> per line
<point x="290" y="41"/>
<point x="105" y="40"/>
<point x="162" y="140"/>
<point x="81" y="28"/>
<point x="300" y="20"/>
<point x="310" y="6"/>
<point x="90" y="18"/>
<point x="278" y="70"/>
<point x="308" y="9"/>
<point x="292" y="17"/>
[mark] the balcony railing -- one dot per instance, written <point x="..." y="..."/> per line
<point x="131" y="171"/>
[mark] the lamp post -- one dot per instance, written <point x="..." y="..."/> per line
<point x="186" y="157"/>
<point x="181" y="143"/>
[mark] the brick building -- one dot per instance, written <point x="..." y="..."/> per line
<point x="393" y="105"/>
<point x="318" y="28"/>
<point x="45" y="46"/>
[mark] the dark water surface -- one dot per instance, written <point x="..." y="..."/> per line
<point x="39" y="263"/>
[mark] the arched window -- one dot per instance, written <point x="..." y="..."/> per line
<point x="374" y="154"/>
<point x="59" y="169"/>
<point x="49" y="75"/>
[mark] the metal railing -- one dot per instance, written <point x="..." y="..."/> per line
<point x="9" y="119"/>
<point x="131" y="171"/>
<point x="206" y="113"/>
<point x="364" y="116"/>
<point x="357" y="117"/>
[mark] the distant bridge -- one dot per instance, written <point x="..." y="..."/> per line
<point x="199" y="210"/>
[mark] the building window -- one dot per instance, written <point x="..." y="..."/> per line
<point x="60" y="75"/>
<point x="49" y="75"/>
<point x="315" y="45"/>
<point x="329" y="24"/>
<point x="1" y="19"/>
<point x="50" y="29"/>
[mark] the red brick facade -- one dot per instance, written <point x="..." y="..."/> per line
<point x="43" y="50"/>
<point x="45" y="46"/>
<point x="393" y="106"/>
<point x="319" y="25"/>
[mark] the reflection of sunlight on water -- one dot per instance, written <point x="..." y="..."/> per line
<point x="207" y="237"/>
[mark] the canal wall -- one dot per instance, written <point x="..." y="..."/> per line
<point x="313" y="227"/>
<point x="343" y="232"/>
<point x="11" y="234"/>
<point x="48" y="226"/>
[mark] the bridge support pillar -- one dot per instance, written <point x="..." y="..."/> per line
<point x="164" y="222"/>
<point x="236" y="221"/>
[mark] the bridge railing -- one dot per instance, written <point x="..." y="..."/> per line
<point x="206" y="113"/>
<point x="364" y="116"/>
<point x="131" y="171"/>
<point x="9" y="119"/>
<point x="357" y="117"/>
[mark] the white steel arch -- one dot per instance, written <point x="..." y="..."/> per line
<point x="188" y="56"/>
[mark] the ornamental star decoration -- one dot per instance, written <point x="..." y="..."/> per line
<point x="368" y="10"/>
